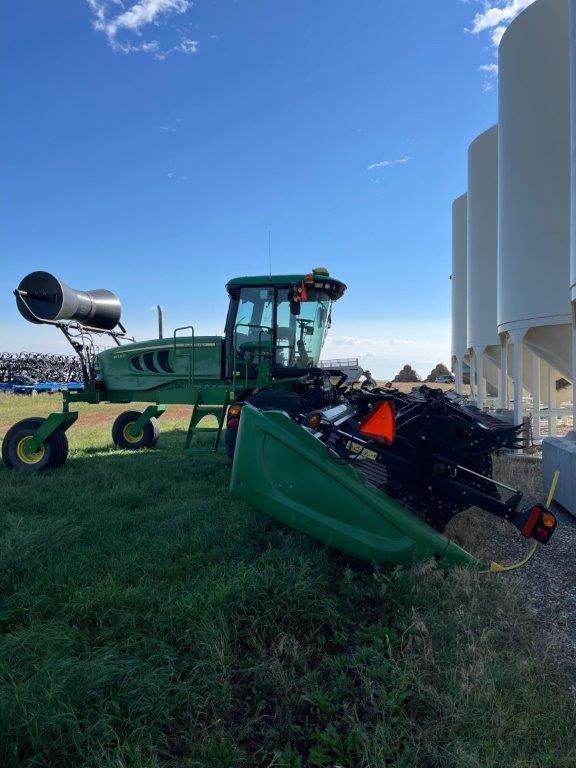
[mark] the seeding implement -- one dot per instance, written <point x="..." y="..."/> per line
<point x="372" y="471"/>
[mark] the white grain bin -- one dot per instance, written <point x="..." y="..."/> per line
<point x="573" y="143"/>
<point x="483" y="340"/>
<point x="534" y="187"/>
<point x="560" y="453"/>
<point x="459" y="288"/>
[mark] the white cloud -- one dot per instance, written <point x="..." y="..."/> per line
<point x="379" y="343"/>
<point x="491" y="72"/>
<point x="497" y="15"/>
<point x="124" y="28"/>
<point x="496" y="35"/>
<point x="427" y="345"/>
<point x="493" y="20"/>
<point x="142" y="13"/>
<point x="387" y="163"/>
<point x="386" y="345"/>
<point x="492" y="69"/>
<point x="352" y="341"/>
<point x="188" y="46"/>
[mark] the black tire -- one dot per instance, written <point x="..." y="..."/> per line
<point x="52" y="453"/>
<point x="147" y="438"/>
<point x="230" y="442"/>
<point x="61" y="453"/>
<point x="266" y="400"/>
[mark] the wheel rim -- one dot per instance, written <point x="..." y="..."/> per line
<point x="29" y="458"/>
<point x="129" y="437"/>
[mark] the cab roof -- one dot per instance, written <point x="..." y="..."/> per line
<point x="318" y="278"/>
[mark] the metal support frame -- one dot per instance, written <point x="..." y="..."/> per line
<point x="551" y="402"/>
<point x="151" y="412"/>
<point x="503" y="383"/>
<point x="62" y="420"/>
<point x="73" y="330"/>
<point x="517" y="339"/>
<point x="472" y="372"/>
<point x="199" y="412"/>
<point x="535" y="397"/>
<point x="480" y="380"/>
<point x="458" y="370"/>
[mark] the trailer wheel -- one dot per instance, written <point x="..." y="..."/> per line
<point x="51" y="454"/>
<point x="146" y="438"/>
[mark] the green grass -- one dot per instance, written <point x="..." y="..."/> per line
<point x="147" y="620"/>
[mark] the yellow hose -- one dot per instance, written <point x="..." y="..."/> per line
<point x="498" y="567"/>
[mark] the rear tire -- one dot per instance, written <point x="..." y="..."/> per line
<point x="146" y="438"/>
<point x="51" y="454"/>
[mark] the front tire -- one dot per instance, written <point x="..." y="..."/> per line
<point x="146" y="438"/>
<point x="51" y="454"/>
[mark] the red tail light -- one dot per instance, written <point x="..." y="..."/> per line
<point x="539" y="524"/>
<point x="540" y="534"/>
<point x="380" y="423"/>
<point x="233" y="416"/>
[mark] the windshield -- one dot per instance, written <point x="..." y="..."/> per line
<point x="299" y="338"/>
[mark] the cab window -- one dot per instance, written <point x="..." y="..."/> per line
<point x="299" y="338"/>
<point x="253" y="325"/>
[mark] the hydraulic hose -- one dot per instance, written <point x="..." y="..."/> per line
<point x="498" y="567"/>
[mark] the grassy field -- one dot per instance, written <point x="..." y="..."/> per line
<point x="147" y="621"/>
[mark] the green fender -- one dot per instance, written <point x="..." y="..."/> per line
<point x="283" y="470"/>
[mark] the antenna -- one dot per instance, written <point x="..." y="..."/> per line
<point x="269" y="252"/>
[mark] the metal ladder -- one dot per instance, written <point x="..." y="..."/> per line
<point x="199" y="413"/>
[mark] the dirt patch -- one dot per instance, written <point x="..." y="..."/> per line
<point x="548" y="581"/>
<point x="97" y="416"/>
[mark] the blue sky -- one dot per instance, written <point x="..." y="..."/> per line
<point x="148" y="147"/>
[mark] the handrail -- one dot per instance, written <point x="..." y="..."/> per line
<point x="190" y="356"/>
<point x="341" y="362"/>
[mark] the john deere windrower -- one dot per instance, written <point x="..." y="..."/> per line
<point x="376" y="473"/>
